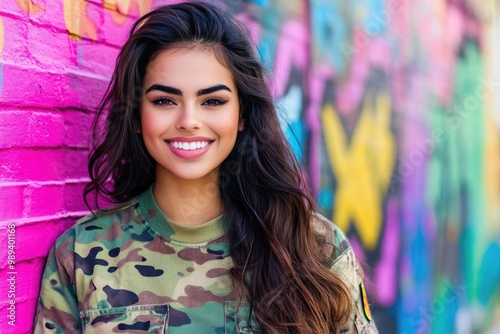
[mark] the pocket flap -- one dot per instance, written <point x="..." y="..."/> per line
<point x="147" y="318"/>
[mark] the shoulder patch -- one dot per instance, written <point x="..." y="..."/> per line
<point x="364" y="300"/>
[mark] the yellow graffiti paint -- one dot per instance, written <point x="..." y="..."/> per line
<point x="29" y="7"/>
<point x="487" y="92"/>
<point x="363" y="168"/>
<point x="491" y="103"/>
<point x="76" y="20"/>
<point x="1" y="36"/>
<point x="119" y="9"/>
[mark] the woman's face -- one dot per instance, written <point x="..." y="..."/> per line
<point x="189" y="113"/>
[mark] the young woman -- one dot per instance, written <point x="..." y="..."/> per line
<point x="215" y="232"/>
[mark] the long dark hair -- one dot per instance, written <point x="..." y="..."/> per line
<point x="280" y="266"/>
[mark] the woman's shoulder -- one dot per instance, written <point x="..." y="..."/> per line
<point x="98" y="223"/>
<point x="109" y="213"/>
<point x="331" y="236"/>
<point x="345" y="264"/>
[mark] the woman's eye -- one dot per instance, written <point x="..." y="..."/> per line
<point x="163" y="102"/>
<point x="214" y="102"/>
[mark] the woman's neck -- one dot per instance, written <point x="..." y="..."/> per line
<point x="188" y="202"/>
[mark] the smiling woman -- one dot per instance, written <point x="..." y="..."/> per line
<point x="189" y="120"/>
<point x="214" y="231"/>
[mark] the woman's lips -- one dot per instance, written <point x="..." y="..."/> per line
<point x="191" y="148"/>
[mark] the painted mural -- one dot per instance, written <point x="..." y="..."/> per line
<point x="393" y="121"/>
<point x="392" y="108"/>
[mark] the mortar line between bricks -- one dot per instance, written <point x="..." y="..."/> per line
<point x="27" y="298"/>
<point x="107" y="8"/>
<point x="40" y="110"/>
<point x="37" y="24"/>
<point x="44" y="183"/>
<point x="35" y="220"/>
<point x="26" y="261"/>
<point x="65" y="71"/>
<point x="13" y="15"/>
<point x="9" y="107"/>
<point x="40" y="147"/>
<point x="55" y="29"/>
<point x="22" y="299"/>
<point x="61" y="148"/>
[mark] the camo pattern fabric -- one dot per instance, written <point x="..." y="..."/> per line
<point x="130" y="269"/>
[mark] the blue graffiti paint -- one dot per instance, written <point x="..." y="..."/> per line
<point x="416" y="297"/>
<point x="262" y="3"/>
<point x="290" y="107"/>
<point x="266" y="50"/>
<point x="489" y="274"/>
<point x="325" y="199"/>
<point x="330" y="33"/>
<point x="371" y="15"/>
<point x="296" y="134"/>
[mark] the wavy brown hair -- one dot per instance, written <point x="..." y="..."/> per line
<point x="280" y="266"/>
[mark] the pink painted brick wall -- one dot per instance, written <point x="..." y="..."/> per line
<point x="56" y="59"/>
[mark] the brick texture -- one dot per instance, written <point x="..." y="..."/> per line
<point x="56" y="58"/>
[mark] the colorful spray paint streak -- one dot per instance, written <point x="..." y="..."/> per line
<point x="392" y="107"/>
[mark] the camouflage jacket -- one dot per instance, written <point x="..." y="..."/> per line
<point x="131" y="269"/>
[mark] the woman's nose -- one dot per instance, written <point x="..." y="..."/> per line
<point x="189" y="118"/>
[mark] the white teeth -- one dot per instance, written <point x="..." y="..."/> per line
<point x="189" y="146"/>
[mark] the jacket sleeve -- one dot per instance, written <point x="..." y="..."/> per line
<point x="347" y="267"/>
<point x="57" y="309"/>
<point x="344" y="263"/>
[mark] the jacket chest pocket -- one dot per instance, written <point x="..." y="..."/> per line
<point x="136" y="319"/>
<point x="237" y="320"/>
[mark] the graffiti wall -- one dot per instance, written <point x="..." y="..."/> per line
<point x="392" y="108"/>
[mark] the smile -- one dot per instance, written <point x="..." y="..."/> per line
<point x="191" y="146"/>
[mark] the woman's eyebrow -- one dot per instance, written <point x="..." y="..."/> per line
<point x="176" y="91"/>
<point x="212" y="89"/>
<point x="166" y="89"/>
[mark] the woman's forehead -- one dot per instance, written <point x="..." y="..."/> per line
<point x="180" y="66"/>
